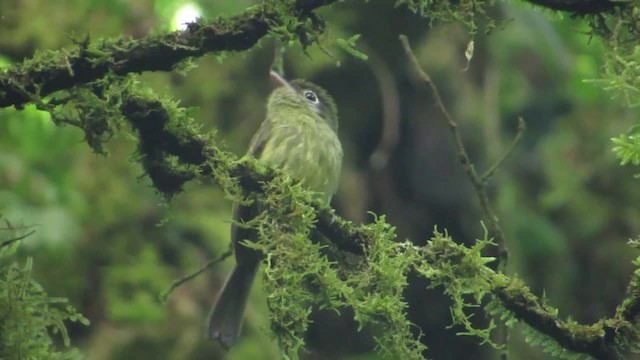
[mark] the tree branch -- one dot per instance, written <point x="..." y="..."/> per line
<point x="177" y="283"/>
<point x="597" y="340"/>
<point x="580" y="7"/>
<point x="150" y="119"/>
<point x="17" y="238"/>
<point x="50" y="72"/>
<point x="478" y="181"/>
<point x="522" y="126"/>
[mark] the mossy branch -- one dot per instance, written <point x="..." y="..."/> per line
<point x="600" y="340"/>
<point x="581" y="7"/>
<point x="162" y="136"/>
<point x="173" y="151"/>
<point x="52" y="71"/>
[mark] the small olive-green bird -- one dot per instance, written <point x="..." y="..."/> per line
<point x="299" y="136"/>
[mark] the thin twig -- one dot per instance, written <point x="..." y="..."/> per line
<point x="477" y="181"/>
<point x="522" y="126"/>
<point x="11" y="241"/>
<point x="177" y="283"/>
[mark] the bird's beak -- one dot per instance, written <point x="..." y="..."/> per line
<point x="277" y="80"/>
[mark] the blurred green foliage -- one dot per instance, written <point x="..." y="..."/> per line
<point x="29" y="316"/>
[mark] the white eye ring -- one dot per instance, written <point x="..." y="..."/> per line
<point x="311" y="96"/>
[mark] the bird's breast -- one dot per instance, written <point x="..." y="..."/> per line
<point x="309" y="151"/>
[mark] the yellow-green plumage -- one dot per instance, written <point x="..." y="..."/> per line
<point x="299" y="136"/>
<point x="301" y="141"/>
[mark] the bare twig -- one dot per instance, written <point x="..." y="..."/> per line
<point x="522" y="126"/>
<point x="11" y="241"/>
<point x="478" y="181"/>
<point x="177" y="283"/>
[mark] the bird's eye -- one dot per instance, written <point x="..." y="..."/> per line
<point x="311" y="96"/>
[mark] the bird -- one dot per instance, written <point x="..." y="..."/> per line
<point x="299" y="135"/>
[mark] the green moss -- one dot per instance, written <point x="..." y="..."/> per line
<point x="466" y="12"/>
<point x="28" y="316"/>
<point x="301" y="274"/>
<point x="620" y="32"/>
<point x="462" y="273"/>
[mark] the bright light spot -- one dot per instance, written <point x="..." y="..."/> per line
<point x="186" y="14"/>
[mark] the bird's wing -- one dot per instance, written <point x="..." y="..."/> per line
<point x="259" y="139"/>
<point x="244" y="213"/>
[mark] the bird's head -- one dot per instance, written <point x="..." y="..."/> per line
<point x="303" y="95"/>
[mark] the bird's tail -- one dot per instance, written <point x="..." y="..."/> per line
<point x="225" y="318"/>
